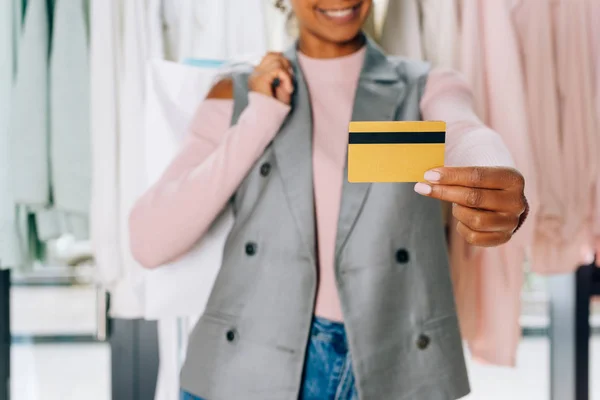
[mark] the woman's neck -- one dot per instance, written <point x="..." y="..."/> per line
<point x="316" y="47"/>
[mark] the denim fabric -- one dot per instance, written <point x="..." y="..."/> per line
<point x="187" y="396"/>
<point x="328" y="367"/>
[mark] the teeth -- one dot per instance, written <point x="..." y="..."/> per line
<point x="339" y="13"/>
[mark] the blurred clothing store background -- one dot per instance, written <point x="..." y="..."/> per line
<point x="95" y="96"/>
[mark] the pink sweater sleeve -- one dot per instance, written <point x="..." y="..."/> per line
<point x="469" y="142"/>
<point x="176" y="211"/>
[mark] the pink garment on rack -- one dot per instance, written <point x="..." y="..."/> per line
<point x="579" y="128"/>
<point x="492" y="278"/>
<point x="594" y="16"/>
<point x="558" y="64"/>
<point x="532" y="70"/>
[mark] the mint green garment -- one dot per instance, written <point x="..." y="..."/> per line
<point x="29" y="113"/>
<point x="11" y="254"/>
<point x="69" y="112"/>
<point x="44" y="126"/>
<point x="27" y="134"/>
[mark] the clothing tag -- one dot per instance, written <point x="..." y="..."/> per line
<point x="394" y="151"/>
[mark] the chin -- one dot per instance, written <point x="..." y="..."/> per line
<point x="341" y="37"/>
<point x="340" y="23"/>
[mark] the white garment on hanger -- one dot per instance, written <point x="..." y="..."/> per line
<point x="203" y="28"/>
<point x="370" y="27"/>
<point x="218" y="30"/>
<point x="105" y="17"/>
<point x="422" y="29"/>
<point x="277" y="23"/>
<point x="131" y="136"/>
<point x="167" y="384"/>
<point x="155" y="25"/>
<point x="180" y="288"/>
<point x="176" y="294"/>
<point x="401" y="32"/>
<point x="173" y="334"/>
<point x="439" y="28"/>
<point x="118" y="65"/>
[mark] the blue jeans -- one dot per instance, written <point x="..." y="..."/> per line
<point x="328" y="369"/>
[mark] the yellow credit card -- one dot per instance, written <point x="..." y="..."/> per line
<point x="400" y="151"/>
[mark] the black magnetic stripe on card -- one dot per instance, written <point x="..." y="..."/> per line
<point x="397" y="137"/>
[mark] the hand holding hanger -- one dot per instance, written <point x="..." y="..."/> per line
<point x="489" y="203"/>
<point x="273" y="77"/>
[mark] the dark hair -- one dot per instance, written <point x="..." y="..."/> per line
<point x="280" y="5"/>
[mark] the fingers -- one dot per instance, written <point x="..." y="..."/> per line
<point x="273" y="77"/>
<point x="277" y="64"/>
<point x="478" y="177"/>
<point x="482" y="239"/>
<point x="284" y="88"/>
<point x="269" y="58"/>
<point x="283" y="95"/>
<point x="274" y="60"/>
<point x="271" y="55"/>
<point x="487" y="202"/>
<point x="285" y="80"/>
<point x="485" y="221"/>
<point x="471" y="197"/>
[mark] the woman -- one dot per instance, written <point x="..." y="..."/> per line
<point x="328" y="290"/>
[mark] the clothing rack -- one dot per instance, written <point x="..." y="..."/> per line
<point x="134" y="351"/>
<point x="588" y="285"/>
<point x="134" y="357"/>
<point x="5" y="335"/>
<point x="570" y="332"/>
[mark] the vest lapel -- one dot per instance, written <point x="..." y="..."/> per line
<point x="378" y="96"/>
<point x="293" y="150"/>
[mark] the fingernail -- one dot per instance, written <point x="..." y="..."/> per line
<point x="423" y="188"/>
<point x="433" y="176"/>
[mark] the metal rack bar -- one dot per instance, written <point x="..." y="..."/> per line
<point x="570" y="332"/>
<point x="134" y="366"/>
<point x="5" y="340"/>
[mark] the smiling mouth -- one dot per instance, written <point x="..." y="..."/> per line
<point x="341" y="12"/>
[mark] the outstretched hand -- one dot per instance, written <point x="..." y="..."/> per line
<point x="488" y="202"/>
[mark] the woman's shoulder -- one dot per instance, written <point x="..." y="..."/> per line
<point x="411" y="69"/>
<point x="230" y="76"/>
<point x="222" y="90"/>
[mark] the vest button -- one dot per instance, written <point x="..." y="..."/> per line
<point x="423" y="342"/>
<point x="230" y="335"/>
<point x="402" y="256"/>
<point x="265" y="169"/>
<point x="250" y="248"/>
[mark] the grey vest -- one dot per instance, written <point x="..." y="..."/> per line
<point x="391" y="267"/>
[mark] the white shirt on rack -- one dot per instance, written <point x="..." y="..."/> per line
<point x="422" y="29"/>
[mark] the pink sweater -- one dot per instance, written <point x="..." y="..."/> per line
<point x="169" y="219"/>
